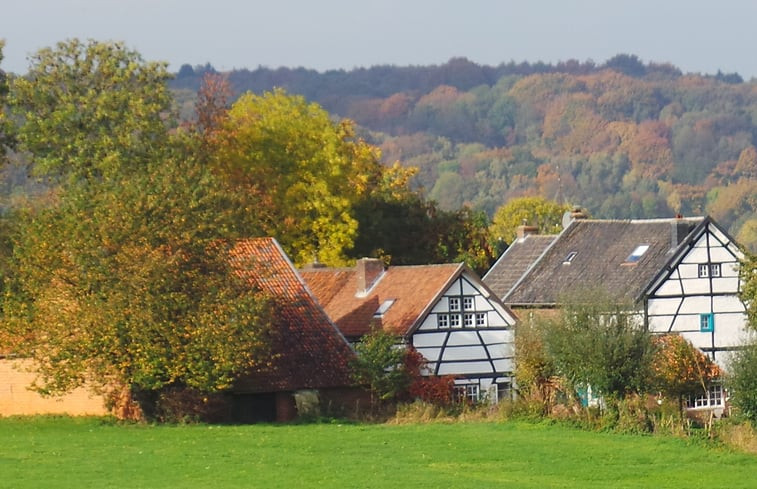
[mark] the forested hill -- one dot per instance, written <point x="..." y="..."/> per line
<point x="623" y="139"/>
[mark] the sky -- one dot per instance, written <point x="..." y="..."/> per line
<point x="699" y="36"/>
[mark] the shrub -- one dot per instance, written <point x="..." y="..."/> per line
<point x="742" y="381"/>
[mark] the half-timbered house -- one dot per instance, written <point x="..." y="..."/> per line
<point x="681" y="274"/>
<point x="444" y="311"/>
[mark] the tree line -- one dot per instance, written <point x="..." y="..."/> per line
<point x="622" y="138"/>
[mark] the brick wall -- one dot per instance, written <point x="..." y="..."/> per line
<point x="16" y="399"/>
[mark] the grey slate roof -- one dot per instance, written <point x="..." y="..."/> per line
<point x="602" y="249"/>
<point x="514" y="262"/>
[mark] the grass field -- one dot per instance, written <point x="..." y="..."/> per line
<point x="91" y="453"/>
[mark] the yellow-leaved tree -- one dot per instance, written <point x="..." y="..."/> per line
<point x="302" y="170"/>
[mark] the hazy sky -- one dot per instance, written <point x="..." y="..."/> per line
<point x="695" y="35"/>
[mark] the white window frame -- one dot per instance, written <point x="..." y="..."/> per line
<point x="468" y="320"/>
<point x="481" y="319"/>
<point x="637" y="253"/>
<point x="714" y="397"/>
<point x="442" y="321"/>
<point x="469" y="303"/>
<point x="703" y="270"/>
<point x="715" y="270"/>
<point x="467" y="392"/>
<point x="454" y="304"/>
<point x="454" y="320"/>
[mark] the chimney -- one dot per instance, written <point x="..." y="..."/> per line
<point x="680" y="228"/>
<point x="368" y="271"/>
<point x="577" y="213"/>
<point x="524" y="230"/>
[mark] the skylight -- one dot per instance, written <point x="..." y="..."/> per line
<point x="637" y="253"/>
<point x="569" y="258"/>
<point x="383" y="308"/>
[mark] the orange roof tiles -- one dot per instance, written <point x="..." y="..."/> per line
<point x="412" y="288"/>
<point x="308" y="350"/>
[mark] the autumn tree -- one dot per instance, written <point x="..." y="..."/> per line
<point x="534" y="211"/>
<point x="679" y="369"/>
<point x="303" y="170"/>
<point x="535" y="369"/>
<point x="122" y="279"/>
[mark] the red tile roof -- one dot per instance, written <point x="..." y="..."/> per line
<point x="412" y="288"/>
<point x="308" y="350"/>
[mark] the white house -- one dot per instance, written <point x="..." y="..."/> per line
<point x="682" y="274"/>
<point x="445" y="312"/>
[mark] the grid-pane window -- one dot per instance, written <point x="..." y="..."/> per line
<point x="468" y="320"/>
<point x="454" y="303"/>
<point x="468" y="303"/>
<point x="704" y="270"/>
<point x="454" y="320"/>
<point x="480" y="319"/>
<point x="442" y="321"/>
<point x="713" y="397"/>
<point x="715" y="270"/>
<point x="467" y="393"/>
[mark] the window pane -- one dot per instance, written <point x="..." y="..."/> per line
<point x="480" y="319"/>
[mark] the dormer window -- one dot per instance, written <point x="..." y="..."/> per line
<point x="637" y="253"/>
<point x="383" y="308"/>
<point x="568" y="259"/>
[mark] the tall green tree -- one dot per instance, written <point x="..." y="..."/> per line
<point x="380" y="365"/>
<point x="399" y="226"/>
<point x="601" y="344"/>
<point x="91" y="109"/>
<point x="748" y="274"/>
<point x="5" y="125"/>
<point x="742" y="381"/>
<point x="123" y="278"/>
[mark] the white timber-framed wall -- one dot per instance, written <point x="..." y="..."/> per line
<point x="698" y="297"/>
<point x="468" y="333"/>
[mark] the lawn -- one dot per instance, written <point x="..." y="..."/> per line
<point x="64" y="452"/>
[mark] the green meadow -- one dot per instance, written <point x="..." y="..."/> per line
<point x="78" y="453"/>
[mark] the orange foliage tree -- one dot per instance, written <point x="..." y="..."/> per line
<point x="679" y="369"/>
